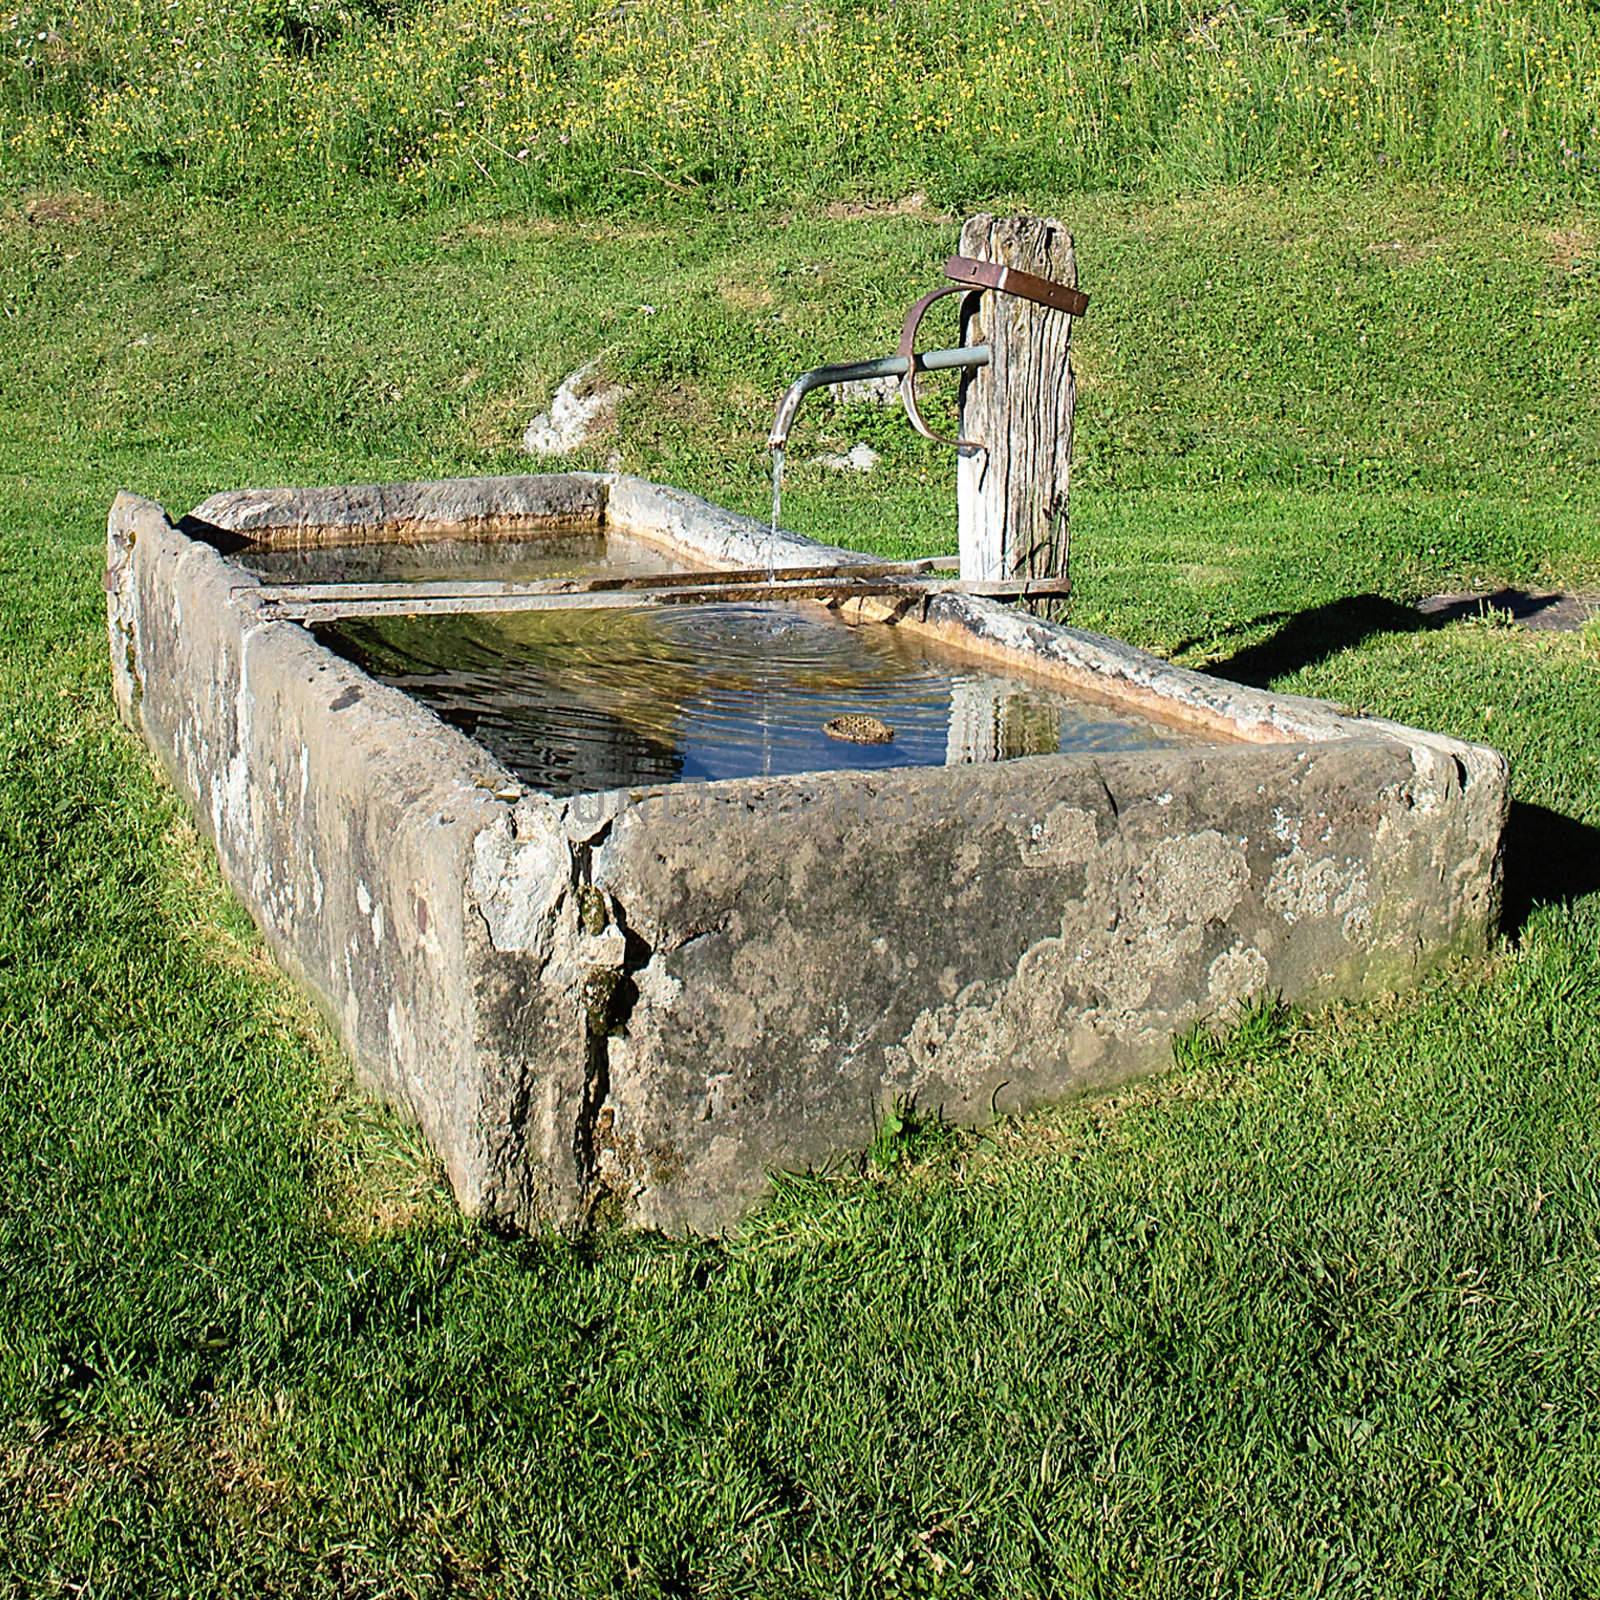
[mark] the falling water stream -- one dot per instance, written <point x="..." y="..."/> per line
<point x="777" y="492"/>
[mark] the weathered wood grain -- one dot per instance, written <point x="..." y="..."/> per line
<point x="1012" y="492"/>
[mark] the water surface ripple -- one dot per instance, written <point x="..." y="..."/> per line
<point x="575" y="701"/>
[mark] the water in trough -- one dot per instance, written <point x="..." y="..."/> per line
<point x="579" y="700"/>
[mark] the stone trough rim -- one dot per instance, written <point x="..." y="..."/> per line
<point x="1081" y="661"/>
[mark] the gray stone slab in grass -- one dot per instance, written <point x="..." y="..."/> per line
<point x="1542" y="610"/>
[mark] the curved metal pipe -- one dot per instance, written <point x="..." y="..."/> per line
<point x="971" y="355"/>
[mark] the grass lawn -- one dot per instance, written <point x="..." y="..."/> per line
<point x="589" y="105"/>
<point x="1316" y="1312"/>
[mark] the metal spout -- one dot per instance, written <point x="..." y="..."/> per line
<point x="972" y="355"/>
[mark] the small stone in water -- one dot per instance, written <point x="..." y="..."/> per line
<point x="858" y="728"/>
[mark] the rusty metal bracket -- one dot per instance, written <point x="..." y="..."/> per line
<point x="973" y="276"/>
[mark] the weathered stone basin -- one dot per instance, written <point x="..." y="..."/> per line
<point x="653" y="995"/>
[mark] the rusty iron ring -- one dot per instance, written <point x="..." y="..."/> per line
<point x="908" y="381"/>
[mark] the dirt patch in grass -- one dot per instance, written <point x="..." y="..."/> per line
<point x="68" y="210"/>
<point x="553" y="228"/>
<point x="208" y="1461"/>
<point x="1545" y="611"/>
<point x="916" y="204"/>
<point x="1570" y="248"/>
<point x="746" y="297"/>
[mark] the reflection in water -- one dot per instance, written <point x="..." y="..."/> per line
<point x="990" y="721"/>
<point x="573" y="701"/>
<point x="571" y="554"/>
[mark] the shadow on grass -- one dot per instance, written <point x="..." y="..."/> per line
<point x="1550" y="860"/>
<point x="1303" y="638"/>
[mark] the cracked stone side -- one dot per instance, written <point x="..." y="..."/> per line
<point x="985" y="940"/>
<point x="122" y="614"/>
<point x="420" y="913"/>
<point x="553" y="1015"/>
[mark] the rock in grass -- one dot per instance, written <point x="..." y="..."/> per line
<point x="858" y="458"/>
<point x="581" y="409"/>
<point x="867" y="392"/>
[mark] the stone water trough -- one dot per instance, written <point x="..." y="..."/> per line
<point x="647" y="996"/>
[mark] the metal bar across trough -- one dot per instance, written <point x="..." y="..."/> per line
<point x="910" y="580"/>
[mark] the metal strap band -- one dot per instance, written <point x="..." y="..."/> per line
<point x="976" y="274"/>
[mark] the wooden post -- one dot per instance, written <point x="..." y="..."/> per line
<point x="1012" y="493"/>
